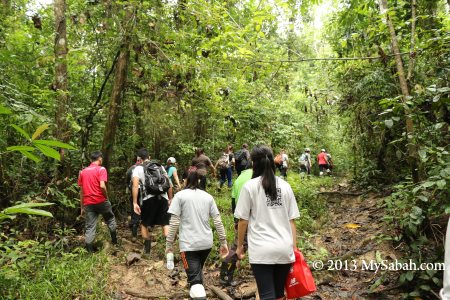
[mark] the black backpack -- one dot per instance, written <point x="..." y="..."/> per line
<point x="156" y="183"/>
<point x="240" y="158"/>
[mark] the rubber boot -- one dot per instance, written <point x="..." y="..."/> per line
<point x="147" y="248"/>
<point x="113" y="237"/>
<point x="226" y="273"/>
<point x="90" y="248"/>
<point x="134" y="230"/>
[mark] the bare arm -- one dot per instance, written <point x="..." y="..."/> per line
<point x="294" y="233"/>
<point x="177" y="180"/>
<point x="173" y="228"/>
<point x="135" y="193"/>
<point x="104" y="190"/>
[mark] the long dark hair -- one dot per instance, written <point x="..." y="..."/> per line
<point x="264" y="166"/>
<point x="193" y="179"/>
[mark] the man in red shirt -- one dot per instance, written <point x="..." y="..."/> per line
<point x="323" y="161"/>
<point x="94" y="199"/>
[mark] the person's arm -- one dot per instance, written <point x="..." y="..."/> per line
<point x="213" y="168"/>
<point x="104" y="190"/>
<point x="173" y="228"/>
<point x="242" y="229"/>
<point x="294" y="233"/>
<point x="222" y="235"/>
<point x="81" y="201"/>
<point x="135" y="193"/>
<point x="177" y="180"/>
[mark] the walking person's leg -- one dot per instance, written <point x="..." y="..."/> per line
<point x="280" y="274"/>
<point x="223" y="175"/>
<point x="264" y="276"/>
<point x="229" y="176"/>
<point x="106" y="210"/>
<point x="90" y="227"/>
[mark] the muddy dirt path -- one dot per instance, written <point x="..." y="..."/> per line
<point x="350" y="237"/>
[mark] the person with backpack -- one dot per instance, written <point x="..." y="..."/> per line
<point x="191" y="210"/>
<point x="305" y="161"/>
<point x="94" y="199"/>
<point x="150" y="199"/>
<point x="323" y="161"/>
<point x="135" y="219"/>
<point x="330" y="165"/>
<point x="242" y="159"/>
<point x="202" y="163"/>
<point x="268" y="209"/>
<point x="224" y="164"/>
<point x="281" y="162"/>
<point x="171" y="170"/>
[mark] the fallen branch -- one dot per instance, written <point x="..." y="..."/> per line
<point x="221" y="294"/>
<point x="143" y="295"/>
<point x="341" y="193"/>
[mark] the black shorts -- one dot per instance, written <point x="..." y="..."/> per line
<point x="323" y="168"/>
<point x="154" y="211"/>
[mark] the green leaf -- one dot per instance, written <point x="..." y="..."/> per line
<point x="422" y="198"/>
<point x="409" y="275"/>
<point x="28" y="211"/>
<point x="21" y="131"/>
<point x="389" y="123"/>
<point x="39" y="130"/>
<point x="30" y="156"/>
<point x="4" y="110"/>
<point x="20" y="148"/>
<point x="427" y="184"/>
<point x="441" y="183"/>
<point x="54" y="144"/>
<point x="33" y="204"/>
<point x="423" y="154"/>
<point x="50" y="152"/>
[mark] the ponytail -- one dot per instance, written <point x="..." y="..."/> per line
<point x="264" y="166"/>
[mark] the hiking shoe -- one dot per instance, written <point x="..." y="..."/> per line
<point x="227" y="283"/>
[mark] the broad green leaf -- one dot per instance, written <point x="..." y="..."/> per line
<point x="21" y="131"/>
<point x="427" y="184"/>
<point x="50" y="152"/>
<point x="4" y="110"/>
<point x="30" y="156"/>
<point x="29" y="211"/>
<point x="389" y="123"/>
<point x="441" y="183"/>
<point x="422" y="154"/>
<point x="33" y="204"/>
<point x="39" y="130"/>
<point x="20" y="148"/>
<point x="53" y="144"/>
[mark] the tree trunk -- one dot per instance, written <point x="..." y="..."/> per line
<point x="120" y="78"/>
<point x="413" y="156"/>
<point x="412" y="54"/>
<point x="61" y="82"/>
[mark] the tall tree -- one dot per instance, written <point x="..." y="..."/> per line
<point x="120" y="78"/>
<point x="61" y="81"/>
<point x="412" y="147"/>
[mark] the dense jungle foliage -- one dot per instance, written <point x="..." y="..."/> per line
<point x="367" y="80"/>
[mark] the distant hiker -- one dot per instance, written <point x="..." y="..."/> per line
<point x="202" y="163"/>
<point x="305" y="161"/>
<point x="191" y="211"/>
<point x="229" y="263"/>
<point x="135" y="219"/>
<point x="94" y="199"/>
<point x="172" y="172"/>
<point x="330" y="165"/>
<point x="445" y="291"/>
<point x="281" y="162"/>
<point x="225" y="164"/>
<point x="150" y="199"/>
<point x="242" y="159"/>
<point x="268" y="208"/>
<point x="323" y="162"/>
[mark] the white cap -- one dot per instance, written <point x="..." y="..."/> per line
<point x="197" y="291"/>
<point x="307" y="150"/>
<point x="323" y="150"/>
<point x="172" y="160"/>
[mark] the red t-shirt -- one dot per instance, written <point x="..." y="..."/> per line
<point x="89" y="180"/>
<point x="322" y="158"/>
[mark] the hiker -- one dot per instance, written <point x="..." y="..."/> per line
<point x="191" y="210"/>
<point x="153" y="200"/>
<point x="267" y="207"/>
<point x="445" y="291"/>
<point x="242" y="159"/>
<point x="305" y="161"/>
<point x="281" y="161"/>
<point x="94" y="199"/>
<point x="323" y="162"/>
<point x="330" y="164"/>
<point x="135" y="219"/>
<point x="172" y="172"/>
<point x="225" y="164"/>
<point x="229" y="263"/>
<point x="202" y="163"/>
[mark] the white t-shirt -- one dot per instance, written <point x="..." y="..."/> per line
<point x="138" y="171"/>
<point x="285" y="159"/>
<point x="269" y="229"/>
<point x="195" y="208"/>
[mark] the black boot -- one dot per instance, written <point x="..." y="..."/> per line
<point x="90" y="248"/>
<point x="147" y="247"/>
<point x="226" y="274"/>
<point x="113" y="237"/>
<point x="134" y="230"/>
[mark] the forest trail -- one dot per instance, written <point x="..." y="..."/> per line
<point x="350" y="235"/>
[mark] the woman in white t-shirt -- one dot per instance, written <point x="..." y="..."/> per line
<point x="267" y="208"/>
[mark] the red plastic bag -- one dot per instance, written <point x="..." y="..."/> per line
<point x="299" y="281"/>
